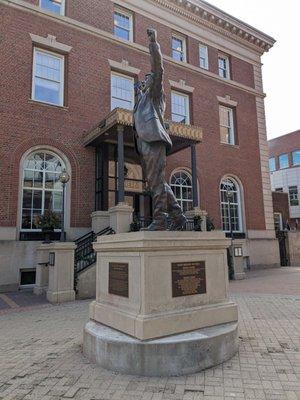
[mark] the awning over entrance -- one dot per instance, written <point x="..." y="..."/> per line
<point x="182" y="135"/>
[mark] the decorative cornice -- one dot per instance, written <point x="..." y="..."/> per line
<point x="200" y="12"/>
<point x="181" y="86"/>
<point x="50" y="42"/>
<point x="124" y="67"/>
<point x="227" y="101"/>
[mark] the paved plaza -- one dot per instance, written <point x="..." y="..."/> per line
<point x="40" y="351"/>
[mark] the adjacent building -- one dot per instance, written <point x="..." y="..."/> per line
<point x="68" y="72"/>
<point x="284" y="164"/>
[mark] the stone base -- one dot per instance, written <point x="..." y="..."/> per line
<point x="175" y="355"/>
<point x="60" y="297"/>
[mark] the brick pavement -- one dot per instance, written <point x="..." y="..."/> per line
<point x="40" y="354"/>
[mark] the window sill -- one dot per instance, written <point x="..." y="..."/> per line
<point x="41" y="103"/>
<point x="234" y="146"/>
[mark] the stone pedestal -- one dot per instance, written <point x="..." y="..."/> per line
<point x="42" y="271"/>
<point x="120" y="217"/>
<point x="152" y="285"/>
<point x="61" y="272"/>
<point x="100" y="220"/>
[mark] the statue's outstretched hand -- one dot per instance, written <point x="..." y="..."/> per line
<point x="152" y="34"/>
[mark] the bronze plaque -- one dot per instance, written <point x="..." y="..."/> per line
<point x="118" y="279"/>
<point x="188" y="278"/>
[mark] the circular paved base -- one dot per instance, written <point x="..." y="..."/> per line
<point x="175" y="355"/>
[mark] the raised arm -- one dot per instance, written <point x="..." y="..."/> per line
<point x="156" y="59"/>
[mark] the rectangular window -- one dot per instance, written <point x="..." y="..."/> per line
<point x="48" y="77"/>
<point x="123" y="26"/>
<point x="280" y="190"/>
<point x="278" y="221"/>
<point x="55" y="6"/>
<point x="283" y="161"/>
<point x="272" y="164"/>
<point x="296" y="157"/>
<point x="293" y="195"/>
<point x="227" y="130"/>
<point x="122" y="91"/>
<point x="203" y="56"/>
<point x="178" y="48"/>
<point x="180" y="108"/>
<point x="224" y="66"/>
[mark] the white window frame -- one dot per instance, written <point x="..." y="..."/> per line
<point x="232" y="139"/>
<point x="41" y="150"/>
<point x="239" y="204"/>
<point x="187" y="100"/>
<point x="288" y="161"/>
<point x="62" y="76"/>
<point x="272" y="158"/>
<point x="62" y="8"/>
<point x="180" y="199"/>
<point x="279" y="215"/>
<point x="206" y="61"/>
<point x="122" y="76"/>
<point x="126" y="14"/>
<point x="183" y="40"/>
<point x="293" y="196"/>
<point x="293" y="160"/>
<point x="227" y="64"/>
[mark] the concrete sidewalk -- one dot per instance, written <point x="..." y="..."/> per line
<point x="41" y="359"/>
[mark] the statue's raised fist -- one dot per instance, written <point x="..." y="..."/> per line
<point x="152" y="34"/>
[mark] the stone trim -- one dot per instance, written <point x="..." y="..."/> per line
<point x="264" y="157"/>
<point x="24" y="6"/>
<point x="227" y="101"/>
<point x="50" y="42"/>
<point x="181" y="86"/>
<point x="216" y="19"/>
<point x="124" y="67"/>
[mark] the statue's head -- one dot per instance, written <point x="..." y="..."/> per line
<point x="144" y="85"/>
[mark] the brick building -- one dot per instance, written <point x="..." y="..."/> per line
<point x="284" y="164"/>
<point x="66" y="64"/>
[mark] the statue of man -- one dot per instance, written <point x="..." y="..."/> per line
<point x="153" y="141"/>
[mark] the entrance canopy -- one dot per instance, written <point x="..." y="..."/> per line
<point x="182" y="135"/>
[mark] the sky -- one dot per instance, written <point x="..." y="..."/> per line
<point x="281" y="70"/>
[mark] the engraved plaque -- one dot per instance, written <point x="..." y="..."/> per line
<point x="118" y="279"/>
<point x="188" y="278"/>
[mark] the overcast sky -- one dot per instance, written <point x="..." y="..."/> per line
<point x="281" y="68"/>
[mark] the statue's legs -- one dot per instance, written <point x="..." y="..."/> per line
<point x="153" y="160"/>
<point x="154" y="163"/>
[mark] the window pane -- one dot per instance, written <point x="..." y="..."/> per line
<point x="47" y="91"/>
<point x="203" y="55"/>
<point x="179" y="108"/>
<point x="122" y="25"/>
<point x="35" y="202"/>
<point x="27" y="198"/>
<point x="226" y="125"/>
<point x="178" y="49"/>
<point x="283" y="161"/>
<point x="293" y="195"/>
<point x="52" y="5"/>
<point x="230" y="206"/>
<point x="121" y="92"/>
<point x="28" y="178"/>
<point x="296" y="157"/>
<point x="272" y="164"/>
<point x="181" y="185"/>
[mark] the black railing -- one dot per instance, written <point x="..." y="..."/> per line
<point x="85" y="255"/>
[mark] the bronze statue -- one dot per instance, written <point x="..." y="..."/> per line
<point x="153" y="142"/>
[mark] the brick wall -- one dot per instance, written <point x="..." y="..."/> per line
<point x="25" y="123"/>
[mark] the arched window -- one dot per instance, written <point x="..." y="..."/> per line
<point x="181" y="184"/>
<point x="41" y="188"/>
<point x="231" y="206"/>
